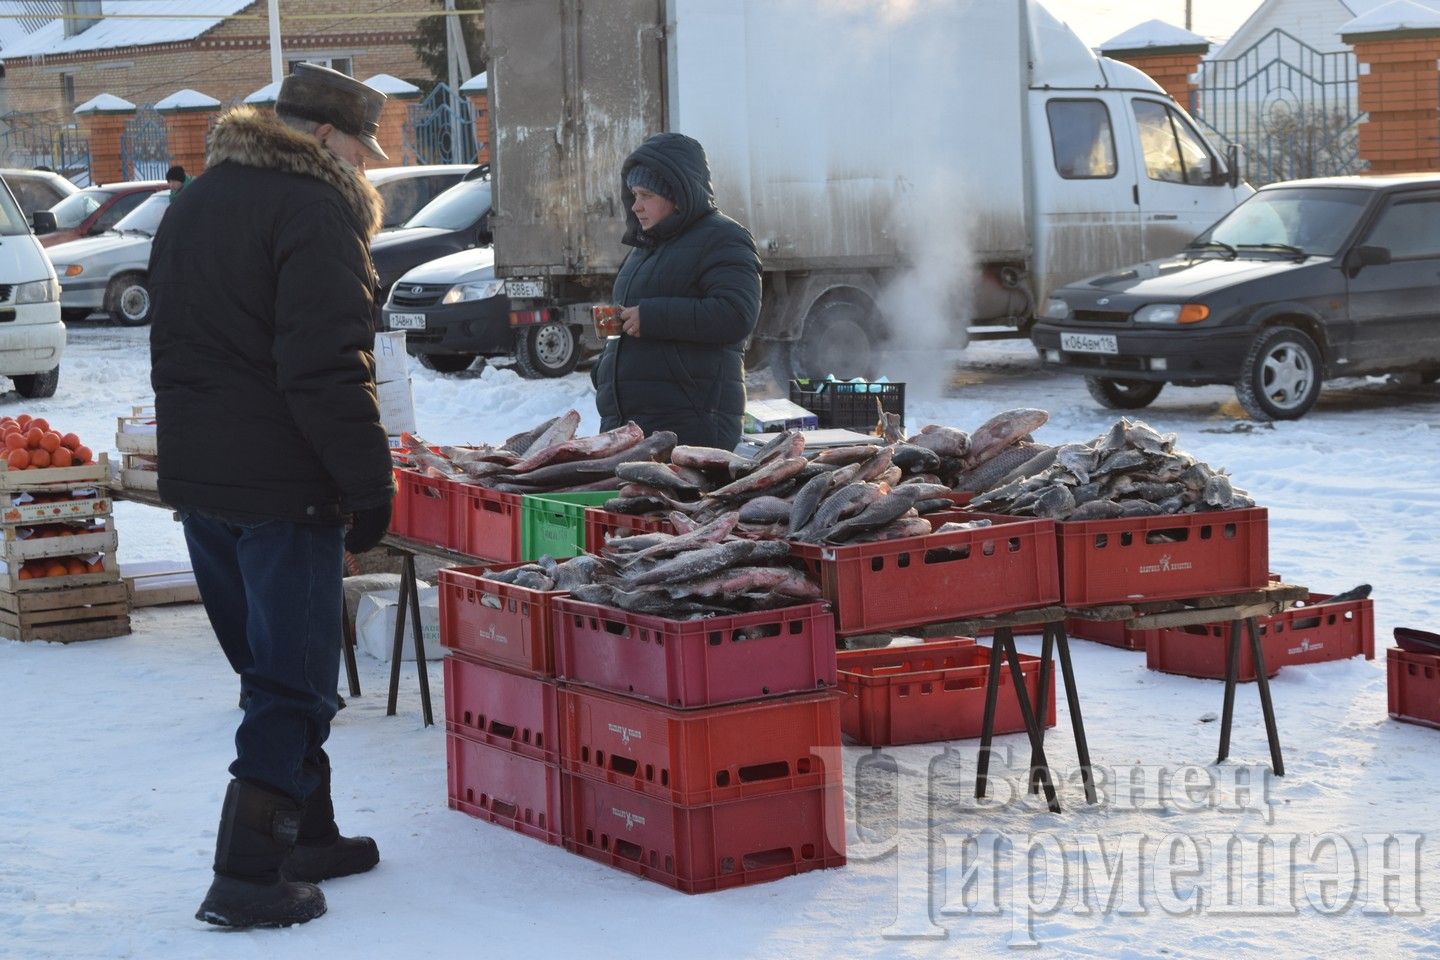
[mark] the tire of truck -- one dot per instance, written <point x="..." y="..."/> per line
<point x="127" y="300"/>
<point x="1122" y="394"/>
<point x="548" y="350"/>
<point x="446" y="362"/>
<point x="1281" y="376"/>
<point x="34" y="386"/>
<point x="840" y="336"/>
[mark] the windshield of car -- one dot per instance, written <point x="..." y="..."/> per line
<point x="1315" y="220"/>
<point x="455" y="209"/>
<point x="72" y="211"/>
<point x="12" y="220"/>
<point x="146" y="217"/>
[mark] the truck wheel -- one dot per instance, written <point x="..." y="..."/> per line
<point x="446" y="362"/>
<point x="1281" y="376"/>
<point x="548" y="350"/>
<point x="1123" y="394"/>
<point x="842" y="337"/>
<point x="127" y="299"/>
<point x="34" y="386"/>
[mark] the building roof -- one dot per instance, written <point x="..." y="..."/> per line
<point x="1153" y="33"/>
<point x="1362" y="7"/>
<point x="147" y="23"/>
<point x="24" y="17"/>
<point x="481" y="81"/>
<point x="1395" y="15"/>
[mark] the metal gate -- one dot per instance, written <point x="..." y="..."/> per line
<point x="428" y="129"/>
<point x="29" y="141"/>
<point x="144" y="147"/>
<point x="1291" y="108"/>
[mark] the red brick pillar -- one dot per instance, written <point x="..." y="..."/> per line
<point x="398" y="97"/>
<point x="477" y="90"/>
<point x="1170" y="55"/>
<point x="104" y="118"/>
<point x="188" y="114"/>
<point x="1400" y="89"/>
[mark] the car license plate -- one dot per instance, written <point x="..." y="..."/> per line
<point x="1089" y="343"/>
<point x="407" y="321"/>
<point x="524" y="289"/>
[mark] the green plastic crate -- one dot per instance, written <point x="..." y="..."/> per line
<point x="553" y="524"/>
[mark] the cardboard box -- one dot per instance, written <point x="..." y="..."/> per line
<point x="397" y="406"/>
<point x="375" y="625"/>
<point x="391" y="361"/>
<point x="765" y="416"/>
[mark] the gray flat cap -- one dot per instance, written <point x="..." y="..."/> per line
<point x="328" y="96"/>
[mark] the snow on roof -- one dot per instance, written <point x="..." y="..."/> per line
<point x="118" y="30"/>
<point x="481" y="81"/>
<point x="266" y="94"/>
<point x="1361" y="7"/>
<point x="105" y="103"/>
<point x="391" y="86"/>
<point x="1396" y="15"/>
<point x="1153" y="33"/>
<point x="187" y="99"/>
<point x="23" y="17"/>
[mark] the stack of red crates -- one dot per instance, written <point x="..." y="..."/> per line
<point x="699" y="754"/>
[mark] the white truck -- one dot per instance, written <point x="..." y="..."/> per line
<point x="905" y="166"/>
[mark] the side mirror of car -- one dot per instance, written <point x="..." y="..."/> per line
<point x="44" y="221"/>
<point x="1232" y="161"/>
<point x="1360" y="257"/>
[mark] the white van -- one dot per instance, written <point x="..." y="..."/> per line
<point x="32" y="338"/>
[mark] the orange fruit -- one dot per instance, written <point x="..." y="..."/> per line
<point x="75" y="565"/>
<point x="62" y="458"/>
<point x="18" y="459"/>
<point x="40" y="422"/>
<point x="82" y="455"/>
<point x="15" y="440"/>
<point x="70" y="441"/>
<point x="32" y="437"/>
<point x="23" y="420"/>
<point x="50" y="441"/>
<point x="56" y="569"/>
<point x="40" y="458"/>
<point x="26" y="573"/>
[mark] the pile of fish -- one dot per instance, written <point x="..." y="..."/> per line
<point x="546" y="459"/>
<point x="706" y="571"/>
<point x="1131" y="470"/>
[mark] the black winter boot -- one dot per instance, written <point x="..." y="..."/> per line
<point x="321" y="853"/>
<point x="257" y="830"/>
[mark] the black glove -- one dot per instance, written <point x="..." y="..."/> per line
<point x="367" y="527"/>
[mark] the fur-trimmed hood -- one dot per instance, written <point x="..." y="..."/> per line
<point x="255" y="138"/>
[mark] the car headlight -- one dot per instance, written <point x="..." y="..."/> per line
<point x="1056" y="309"/>
<point x="38" y="291"/>
<point x="481" y="290"/>
<point x="69" y="269"/>
<point x="1170" y="314"/>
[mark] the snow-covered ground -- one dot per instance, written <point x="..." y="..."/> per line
<point x="115" y="751"/>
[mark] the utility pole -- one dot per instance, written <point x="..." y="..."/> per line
<point x="1189" y="10"/>
<point x="277" y="60"/>
<point x="458" y="61"/>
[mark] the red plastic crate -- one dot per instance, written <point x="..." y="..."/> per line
<point x="877" y="587"/>
<point x="497" y="622"/>
<point x="600" y="524"/>
<point x="708" y="755"/>
<point x="930" y="692"/>
<point x="698" y="849"/>
<point x="427" y="509"/>
<point x="489" y="523"/>
<point x="504" y="710"/>
<point x="1112" y="633"/>
<point x="1414" y="685"/>
<point x="695" y="663"/>
<point x="498" y="786"/>
<point x="1302" y="634"/>
<point x="1163" y="558"/>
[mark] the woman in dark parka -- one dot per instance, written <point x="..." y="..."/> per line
<point x="691" y="293"/>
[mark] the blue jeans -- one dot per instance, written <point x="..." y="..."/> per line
<point x="272" y="590"/>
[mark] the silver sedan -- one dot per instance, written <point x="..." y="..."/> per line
<point x="108" y="273"/>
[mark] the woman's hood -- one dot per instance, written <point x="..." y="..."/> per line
<point x="681" y="162"/>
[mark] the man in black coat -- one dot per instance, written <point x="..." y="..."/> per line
<point x="269" y="437"/>
<point x="691" y="293"/>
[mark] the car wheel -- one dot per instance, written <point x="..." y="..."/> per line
<point x="1281" y="376"/>
<point x="1123" y="394"/>
<point x="446" y="362"/>
<point x="547" y="350"/>
<point x="34" y="386"/>
<point x="842" y="337"/>
<point x="127" y="299"/>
